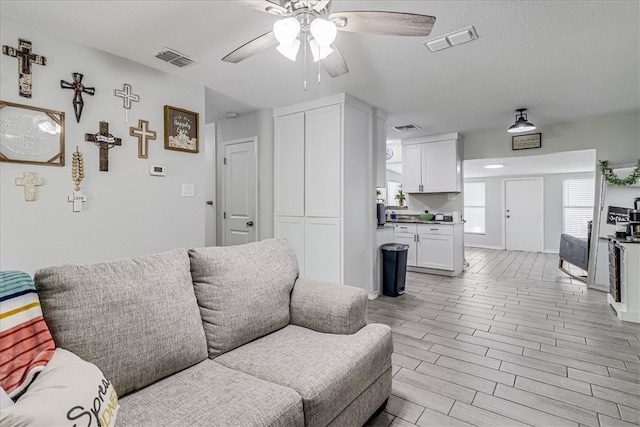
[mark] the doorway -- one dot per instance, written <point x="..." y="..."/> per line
<point x="239" y="186"/>
<point x="524" y="214"/>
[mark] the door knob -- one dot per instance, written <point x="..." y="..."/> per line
<point x="508" y="216"/>
<point x="250" y="223"/>
<point x="210" y="202"/>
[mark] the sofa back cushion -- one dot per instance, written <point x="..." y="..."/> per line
<point x="243" y="291"/>
<point x="136" y="319"/>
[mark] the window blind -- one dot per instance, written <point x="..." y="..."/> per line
<point x="474" y="207"/>
<point x="577" y="205"/>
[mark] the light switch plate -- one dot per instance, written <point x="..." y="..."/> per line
<point x="188" y="190"/>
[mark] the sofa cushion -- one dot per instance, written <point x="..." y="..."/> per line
<point x="209" y="394"/>
<point x="243" y="291"/>
<point x="68" y="391"/>
<point x="329" y="371"/>
<point x="136" y="319"/>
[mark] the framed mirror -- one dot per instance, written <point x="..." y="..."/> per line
<point x="31" y="135"/>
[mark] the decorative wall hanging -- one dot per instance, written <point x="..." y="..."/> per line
<point x="127" y="97"/>
<point x="613" y="179"/>
<point x="181" y="130"/>
<point x="105" y="141"/>
<point x="29" y="182"/>
<point x="144" y="134"/>
<point x="524" y="142"/>
<point x="77" y="174"/>
<point x="79" y="88"/>
<point x="25" y="59"/>
<point x="31" y="135"/>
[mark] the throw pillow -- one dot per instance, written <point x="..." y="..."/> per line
<point x="68" y="391"/>
<point x="25" y="342"/>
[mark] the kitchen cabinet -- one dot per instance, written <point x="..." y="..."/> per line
<point x="432" y="164"/>
<point x="433" y="248"/>
<point x="323" y="159"/>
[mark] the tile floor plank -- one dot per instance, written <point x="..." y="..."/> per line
<point x="519" y="412"/>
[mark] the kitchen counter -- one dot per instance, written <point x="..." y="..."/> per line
<point x="418" y="221"/>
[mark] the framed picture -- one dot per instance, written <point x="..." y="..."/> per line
<point x="31" y="135"/>
<point x="181" y="130"/>
<point x="524" y="142"/>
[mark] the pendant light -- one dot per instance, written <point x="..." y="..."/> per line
<point x="521" y="124"/>
<point x="290" y="32"/>
<point x="287" y="31"/>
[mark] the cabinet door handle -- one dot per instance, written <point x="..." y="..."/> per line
<point x="434" y="229"/>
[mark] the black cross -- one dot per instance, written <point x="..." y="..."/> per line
<point x="105" y="141"/>
<point x="25" y="58"/>
<point x="79" y="88"/>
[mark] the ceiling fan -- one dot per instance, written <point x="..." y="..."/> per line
<point x="310" y="21"/>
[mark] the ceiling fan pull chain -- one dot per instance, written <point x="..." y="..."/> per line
<point x="305" y="66"/>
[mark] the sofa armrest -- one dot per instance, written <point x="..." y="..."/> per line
<point x="327" y="307"/>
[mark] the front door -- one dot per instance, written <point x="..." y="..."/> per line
<point x="240" y="191"/>
<point x="523" y="214"/>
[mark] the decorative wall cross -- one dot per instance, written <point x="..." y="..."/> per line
<point x="79" y="88"/>
<point x="29" y="182"/>
<point x="25" y="59"/>
<point x="144" y="134"/>
<point x="105" y="141"/>
<point x="127" y="97"/>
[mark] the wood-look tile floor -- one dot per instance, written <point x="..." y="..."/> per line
<point x="513" y="341"/>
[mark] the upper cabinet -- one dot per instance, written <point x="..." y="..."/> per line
<point x="432" y="164"/>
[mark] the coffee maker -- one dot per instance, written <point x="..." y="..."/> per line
<point x="633" y="229"/>
<point x="382" y="215"/>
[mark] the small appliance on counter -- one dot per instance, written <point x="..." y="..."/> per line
<point x="633" y="229"/>
<point x="439" y="217"/>
<point x="382" y="215"/>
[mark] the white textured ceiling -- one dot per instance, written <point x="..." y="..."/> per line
<point x="561" y="59"/>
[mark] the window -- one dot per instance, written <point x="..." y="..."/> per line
<point x="392" y="190"/>
<point x="577" y="205"/>
<point x="474" y="207"/>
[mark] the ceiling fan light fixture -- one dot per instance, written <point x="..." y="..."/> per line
<point x="290" y="51"/>
<point x="286" y="30"/>
<point x="521" y="124"/>
<point x="319" y="52"/>
<point x="323" y="31"/>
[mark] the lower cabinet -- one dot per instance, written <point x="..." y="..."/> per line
<point x="433" y="246"/>
<point x="435" y="251"/>
<point x="292" y="229"/>
<point x="409" y="239"/>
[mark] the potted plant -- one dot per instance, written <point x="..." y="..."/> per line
<point x="400" y="197"/>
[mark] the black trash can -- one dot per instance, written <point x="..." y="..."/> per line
<point x="394" y="268"/>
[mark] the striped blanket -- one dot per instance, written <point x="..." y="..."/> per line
<point x="25" y="342"/>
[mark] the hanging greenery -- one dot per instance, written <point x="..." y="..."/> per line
<point x="613" y="179"/>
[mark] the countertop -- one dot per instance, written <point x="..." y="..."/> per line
<point x="622" y="240"/>
<point x="417" y="221"/>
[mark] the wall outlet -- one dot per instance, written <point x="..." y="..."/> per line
<point x="188" y="190"/>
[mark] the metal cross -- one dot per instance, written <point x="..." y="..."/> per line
<point x="29" y="182"/>
<point x="25" y="59"/>
<point x="105" y="141"/>
<point x="79" y="88"/>
<point x="144" y="134"/>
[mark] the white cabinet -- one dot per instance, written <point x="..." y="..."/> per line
<point x="437" y="247"/>
<point x="380" y="148"/>
<point x="432" y="164"/>
<point x="325" y="190"/>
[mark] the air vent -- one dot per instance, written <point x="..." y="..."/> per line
<point x="173" y="57"/>
<point x="405" y="128"/>
<point x="452" y="39"/>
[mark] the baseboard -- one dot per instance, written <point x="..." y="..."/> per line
<point x="372" y="296"/>
<point x="551" y="251"/>
<point x="500" y="248"/>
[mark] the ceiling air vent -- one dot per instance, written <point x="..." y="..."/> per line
<point x="173" y="57"/>
<point x="405" y="128"/>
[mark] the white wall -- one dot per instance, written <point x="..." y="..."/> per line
<point x="260" y="124"/>
<point x="494" y="215"/>
<point x="128" y="212"/>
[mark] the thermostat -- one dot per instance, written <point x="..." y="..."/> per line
<point x="157" y="170"/>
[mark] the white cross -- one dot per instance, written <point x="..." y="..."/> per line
<point x="127" y="97"/>
<point x="77" y="198"/>
<point x="144" y="134"/>
<point x="29" y="181"/>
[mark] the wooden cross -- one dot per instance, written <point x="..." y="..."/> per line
<point x="127" y="97"/>
<point x="144" y="134"/>
<point x="79" y="88"/>
<point x="29" y="182"/>
<point x="77" y="198"/>
<point x="25" y="59"/>
<point x="105" y="141"/>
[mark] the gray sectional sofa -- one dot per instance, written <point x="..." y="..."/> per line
<point x="222" y="336"/>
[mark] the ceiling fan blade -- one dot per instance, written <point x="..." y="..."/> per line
<point x="269" y="6"/>
<point x="384" y="23"/>
<point x="334" y="64"/>
<point x="256" y="45"/>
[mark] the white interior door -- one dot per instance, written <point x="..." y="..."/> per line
<point x="240" y="192"/>
<point x="524" y="214"/>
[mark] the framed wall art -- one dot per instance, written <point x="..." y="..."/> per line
<point x="181" y="130"/>
<point x="524" y="142"/>
<point x="31" y="135"/>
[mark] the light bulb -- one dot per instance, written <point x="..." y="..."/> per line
<point x="323" y="31"/>
<point x="319" y="52"/>
<point x="286" y="30"/>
